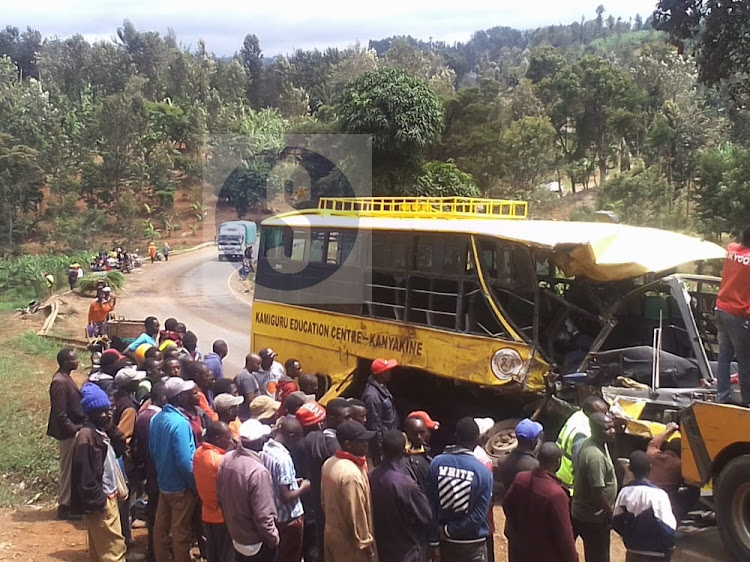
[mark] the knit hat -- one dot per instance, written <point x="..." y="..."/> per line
<point x="94" y="398"/>
<point x="310" y="413"/>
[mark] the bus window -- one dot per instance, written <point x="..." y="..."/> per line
<point x="390" y="251"/>
<point x="317" y="246"/>
<point x="274" y="242"/>
<point x="423" y="254"/>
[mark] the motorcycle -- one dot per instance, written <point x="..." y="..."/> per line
<point x="136" y="259"/>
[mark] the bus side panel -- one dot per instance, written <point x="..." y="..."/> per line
<point x="707" y="430"/>
<point x="330" y="343"/>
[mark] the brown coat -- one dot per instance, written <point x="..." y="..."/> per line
<point x="345" y="497"/>
<point x="65" y="415"/>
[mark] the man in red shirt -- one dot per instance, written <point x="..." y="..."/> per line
<point x="537" y="513"/>
<point x="208" y="457"/>
<point x="733" y="319"/>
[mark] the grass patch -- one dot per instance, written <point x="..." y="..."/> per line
<point x="28" y="462"/>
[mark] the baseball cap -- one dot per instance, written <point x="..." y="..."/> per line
<point x="528" y="429"/>
<point x="128" y="374"/>
<point x="425" y="417"/>
<point x="484" y="424"/>
<point x="267" y="352"/>
<point x="176" y="386"/>
<point x="310" y="413"/>
<point x="264" y="407"/>
<point x="382" y="365"/>
<point x="351" y="430"/>
<point x="253" y="430"/>
<point x="224" y="401"/>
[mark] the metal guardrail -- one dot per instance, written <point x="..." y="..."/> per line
<point x="426" y="207"/>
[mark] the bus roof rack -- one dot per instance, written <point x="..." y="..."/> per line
<point x="426" y="207"/>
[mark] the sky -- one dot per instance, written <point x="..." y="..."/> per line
<point x="302" y="24"/>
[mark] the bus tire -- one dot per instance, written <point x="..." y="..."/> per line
<point x="733" y="507"/>
<point x="501" y="439"/>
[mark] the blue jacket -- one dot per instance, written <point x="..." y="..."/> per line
<point x="213" y="362"/>
<point x="460" y="490"/>
<point x="381" y="414"/>
<point x="644" y="519"/>
<point x="172" y="446"/>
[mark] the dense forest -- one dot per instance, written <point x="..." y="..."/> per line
<point x="97" y="139"/>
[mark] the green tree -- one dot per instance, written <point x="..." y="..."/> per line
<point x="527" y="153"/>
<point x="444" y="179"/>
<point x="252" y="61"/>
<point x="640" y="197"/>
<point x="402" y="114"/>
<point x="21" y="180"/>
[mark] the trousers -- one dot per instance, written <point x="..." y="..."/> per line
<point x="596" y="537"/>
<point x="174" y="518"/>
<point x="65" y="446"/>
<point x="290" y="540"/>
<point x="106" y="543"/>
<point x="734" y="341"/>
<point x="463" y="551"/>
<point x="219" y="546"/>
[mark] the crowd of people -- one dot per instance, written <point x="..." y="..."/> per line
<point x="254" y="468"/>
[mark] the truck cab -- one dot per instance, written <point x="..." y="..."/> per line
<point x="234" y="237"/>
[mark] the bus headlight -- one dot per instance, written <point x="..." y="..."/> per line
<point x="506" y="363"/>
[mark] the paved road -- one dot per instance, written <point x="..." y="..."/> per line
<point x="194" y="289"/>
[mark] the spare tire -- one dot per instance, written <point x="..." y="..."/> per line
<point x="732" y="500"/>
<point x="502" y="439"/>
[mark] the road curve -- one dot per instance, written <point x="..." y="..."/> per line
<point x="193" y="288"/>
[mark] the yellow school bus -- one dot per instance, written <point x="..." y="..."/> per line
<point x="474" y="300"/>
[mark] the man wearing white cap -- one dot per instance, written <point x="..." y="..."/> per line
<point x="172" y="448"/>
<point x="245" y="494"/>
<point x="227" y="408"/>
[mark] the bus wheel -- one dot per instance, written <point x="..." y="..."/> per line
<point x="501" y="439"/>
<point x="733" y="507"/>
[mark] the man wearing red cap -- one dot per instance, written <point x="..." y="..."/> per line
<point x="381" y="411"/>
<point x="418" y="428"/>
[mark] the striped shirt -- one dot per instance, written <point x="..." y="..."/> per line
<point x="279" y="463"/>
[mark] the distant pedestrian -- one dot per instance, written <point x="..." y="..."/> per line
<point x="357" y="410"/>
<point x="98" y="482"/>
<point x="265" y="410"/>
<point x="523" y="457"/>
<point x="288" y="490"/>
<point x="245" y="494"/>
<point x="289" y="382"/>
<point x="537" y="513"/>
<point x="142" y="461"/>
<point x="733" y="320"/>
<point x="165" y="250"/>
<point x="65" y="419"/>
<point x="172" y="447"/>
<point x="152" y="252"/>
<point x="270" y="372"/>
<point x="345" y="498"/>
<point x="247" y="383"/>
<point x="73" y="276"/>
<point x="214" y="359"/>
<point x="416" y="461"/>
<point x="149" y="335"/>
<point x="460" y="492"/>
<point x="226" y="406"/>
<point x="206" y="462"/>
<point x="401" y="513"/>
<point x="643" y="515"/>
<point x="575" y="431"/>
<point x="595" y="489"/>
<point x="319" y="445"/>
<point x="381" y="410"/>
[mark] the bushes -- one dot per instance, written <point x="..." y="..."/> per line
<point x="24" y="276"/>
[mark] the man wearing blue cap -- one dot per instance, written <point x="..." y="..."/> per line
<point x="523" y="458"/>
<point x="97" y="482"/>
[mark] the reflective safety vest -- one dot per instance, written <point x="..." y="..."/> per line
<point x="575" y="428"/>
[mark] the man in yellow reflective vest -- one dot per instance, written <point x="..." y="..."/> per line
<point x="575" y="431"/>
